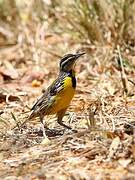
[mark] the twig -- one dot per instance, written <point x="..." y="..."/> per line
<point x="17" y="124"/>
<point x="112" y="120"/>
<point x="131" y="81"/>
<point x="91" y="118"/>
<point x="123" y="75"/>
<point x="3" y="120"/>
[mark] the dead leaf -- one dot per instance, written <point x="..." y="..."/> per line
<point x="113" y="134"/>
<point x="30" y="76"/>
<point x="46" y="141"/>
<point x="114" y="146"/>
<point x="124" y="162"/>
<point x="8" y="97"/>
<point x="8" y="73"/>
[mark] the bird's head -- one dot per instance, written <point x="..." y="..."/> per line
<point x="68" y="61"/>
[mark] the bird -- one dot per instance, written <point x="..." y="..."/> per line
<point x="57" y="97"/>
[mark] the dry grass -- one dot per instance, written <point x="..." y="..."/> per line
<point x="32" y="40"/>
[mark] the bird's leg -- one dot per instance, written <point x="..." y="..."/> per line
<point x="60" y="116"/>
<point x="47" y="131"/>
<point x="43" y="128"/>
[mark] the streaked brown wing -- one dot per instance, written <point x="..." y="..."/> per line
<point x="48" y="98"/>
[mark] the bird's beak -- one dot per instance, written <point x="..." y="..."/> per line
<point x="79" y="54"/>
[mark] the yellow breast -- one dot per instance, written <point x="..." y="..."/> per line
<point x="64" y="97"/>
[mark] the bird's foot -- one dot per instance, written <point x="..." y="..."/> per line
<point x="54" y="132"/>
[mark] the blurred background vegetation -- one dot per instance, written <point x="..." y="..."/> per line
<point x="31" y="32"/>
<point x="84" y="21"/>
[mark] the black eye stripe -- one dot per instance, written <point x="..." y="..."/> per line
<point x="64" y="61"/>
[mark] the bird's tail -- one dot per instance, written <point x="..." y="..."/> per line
<point x="30" y="117"/>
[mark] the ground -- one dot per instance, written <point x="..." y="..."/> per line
<point x="102" y="110"/>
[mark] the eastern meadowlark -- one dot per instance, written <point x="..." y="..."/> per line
<point x="57" y="97"/>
